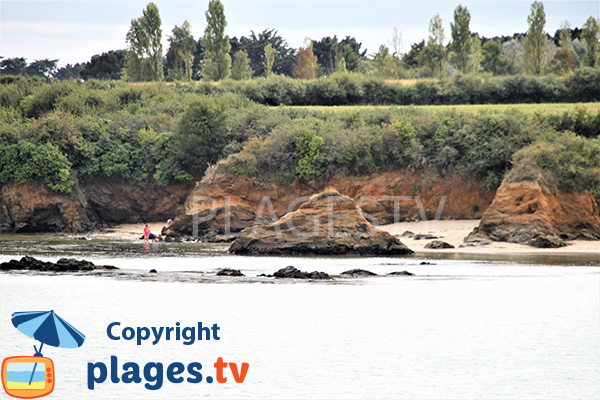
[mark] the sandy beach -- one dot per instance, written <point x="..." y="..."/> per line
<point x="450" y="231"/>
<point x="454" y="231"/>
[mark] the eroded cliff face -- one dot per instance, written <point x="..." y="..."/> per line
<point x="377" y="194"/>
<point x="32" y="208"/>
<point x="531" y="214"/>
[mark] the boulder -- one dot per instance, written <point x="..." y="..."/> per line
<point x="438" y="244"/>
<point x="534" y="215"/>
<point x="295" y="273"/>
<point x="217" y="225"/>
<point x="424" y="236"/>
<point x="326" y="224"/>
<point x="400" y="273"/>
<point x="358" y="273"/>
<point x="230" y="272"/>
<point x="62" y="265"/>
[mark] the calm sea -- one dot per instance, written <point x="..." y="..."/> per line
<point x="458" y="329"/>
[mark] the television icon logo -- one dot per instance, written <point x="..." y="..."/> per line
<point x="27" y="377"/>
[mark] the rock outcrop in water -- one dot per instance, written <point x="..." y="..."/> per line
<point x="63" y="265"/>
<point x="327" y="224"/>
<point x="531" y="214"/>
<point x="291" y="272"/>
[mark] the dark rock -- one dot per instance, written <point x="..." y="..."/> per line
<point x="266" y="276"/>
<point x="408" y="234"/>
<point x="230" y="272"/>
<point x="215" y="226"/>
<point x="426" y="263"/>
<point x="153" y="271"/>
<point x="62" y="265"/>
<point x="438" y="244"/>
<point x="358" y="273"/>
<point x="400" y="273"/>
<point x="424" y="236"/>
<point x="293" y="272"/>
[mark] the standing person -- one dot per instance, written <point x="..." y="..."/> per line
<point x="146" y="233"/>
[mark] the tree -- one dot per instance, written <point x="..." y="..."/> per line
<point x="591" y="36"/>
<point x="68" y="72"/>
<point x="534" y="45"/>
<point x="254" y="45"/>
<point x="180" y="56"/>
<point x="43" y="68"/>
<point x="144" y="59"/>
<point x="306" y="63"/>
<point x="217" y="61"/>
<point x="13" y="66"/>
<point x="269" y="60"/>
<point x="462" y="41"/>
<point x="201" y="135"/>
<point x="330" y="51"/>
<point x="433" y="55"/>
<point x="384" y="62"/>
<point x="241" y="69"/>
<point x="398" y="68"/>
<point x="494" y="60"/>
<point x="412" y="58"/>
<point x="564" y="59"/>
<point x="105" y="66"/>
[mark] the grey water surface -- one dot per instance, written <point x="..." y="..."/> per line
<point x="518" y="327"/>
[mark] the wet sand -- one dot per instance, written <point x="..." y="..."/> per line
<point x="450" y="231"/>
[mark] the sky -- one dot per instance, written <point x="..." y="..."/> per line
<point x="74" y="30"/>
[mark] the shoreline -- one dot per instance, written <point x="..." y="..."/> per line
<point x="449" y="231"/>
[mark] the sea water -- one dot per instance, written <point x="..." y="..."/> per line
<point x="456" y="329"/>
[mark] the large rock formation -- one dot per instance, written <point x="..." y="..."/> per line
<point x="217" y="225"/>
<point x="327" y="224"/>
<point x="380" y="195"/>
<point x="527" y="213"/>
<point x="32" y="207"/>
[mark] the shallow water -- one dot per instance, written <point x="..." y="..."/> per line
<point x="497" y="327"/>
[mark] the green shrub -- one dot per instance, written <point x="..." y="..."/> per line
<point x="562" y="161"/>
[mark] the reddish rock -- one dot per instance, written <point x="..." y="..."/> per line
<point x="527" y="213"/>
<point x="327" y="224"/>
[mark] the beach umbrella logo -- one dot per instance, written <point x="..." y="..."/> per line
<point x="28" y="377"/>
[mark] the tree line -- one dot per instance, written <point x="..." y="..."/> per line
<point x="215" y="56"/>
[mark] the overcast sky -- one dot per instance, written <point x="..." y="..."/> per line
<point x="74" y="30"/>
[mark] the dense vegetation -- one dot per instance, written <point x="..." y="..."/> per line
<point x="216" y="56"/>
<point x="65" y="132"/>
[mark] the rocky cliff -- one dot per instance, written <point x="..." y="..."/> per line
<point x="327" y="223"/>
<point x="32" y="207"/>
<point x="531" y="214"/>
<point x="377" y="194"/>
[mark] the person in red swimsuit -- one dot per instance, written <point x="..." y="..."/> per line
<point x="146" y="233"/>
